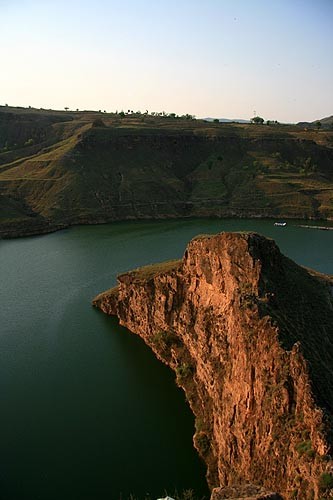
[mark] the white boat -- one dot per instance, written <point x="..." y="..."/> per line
<point x="280" y="224"/>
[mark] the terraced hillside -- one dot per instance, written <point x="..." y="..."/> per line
<point x="63" y="168"/>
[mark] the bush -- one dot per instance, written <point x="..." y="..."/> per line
<point x="305" y="448"/>
<point x="29" y="142"/>
<point x="98" y="123"/>
<point x="325" y="482"/>
<point x="183" y="371"/>
<point x="165" y="339"/>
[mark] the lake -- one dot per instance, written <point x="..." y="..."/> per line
<point x="87" y="412"/>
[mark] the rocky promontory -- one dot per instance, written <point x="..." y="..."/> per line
<point x="249" y="334"/>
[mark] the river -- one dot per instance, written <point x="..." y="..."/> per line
<point x="87" y="412"/>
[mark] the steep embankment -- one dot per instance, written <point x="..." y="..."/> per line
<point x="71" y="172"/>
<point x="250" y="336"/>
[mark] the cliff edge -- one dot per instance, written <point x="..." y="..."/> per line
<point x="249" y="335"/>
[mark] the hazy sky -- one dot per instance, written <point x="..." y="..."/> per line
<point x="220" y="58"/>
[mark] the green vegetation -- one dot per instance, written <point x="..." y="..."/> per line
<point x="305" y="448"/>
<point x="325" y="482"/>
<point x="29" y="142"/>
<point x="163" y="341"/>
<point x="257" y="120"/>
<point x="183" y="372"/>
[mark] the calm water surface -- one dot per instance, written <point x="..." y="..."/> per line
<point x="87" y="412"/>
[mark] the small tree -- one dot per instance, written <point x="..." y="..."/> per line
<point x="188" y="117"/>
<point x="66" y="108"/>
<point x="257" y="120"/>
<point x="318" y="125"/>
<point x="216" y="120"/>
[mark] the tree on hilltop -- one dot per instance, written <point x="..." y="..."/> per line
<point x="257" y="120"/>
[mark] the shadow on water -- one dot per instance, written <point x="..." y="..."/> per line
<point x="149" y="388"/>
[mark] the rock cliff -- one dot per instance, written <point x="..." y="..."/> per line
<point x="249" y="335"/>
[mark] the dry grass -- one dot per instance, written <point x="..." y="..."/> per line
<point x="148" y="272"/>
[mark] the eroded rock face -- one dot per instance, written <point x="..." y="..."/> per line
<point x="243" y="492"/>
<point x="250" y="337"/>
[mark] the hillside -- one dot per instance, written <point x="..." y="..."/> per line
<point x="326" y="122"/>
<point x="63" y="168"/>
<point x="249" y="335"/>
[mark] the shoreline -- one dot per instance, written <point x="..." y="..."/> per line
<point x="322" y="228"/>
<point x="48" y="227"/>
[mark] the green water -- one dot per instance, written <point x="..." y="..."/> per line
<point x="87" y="412"/>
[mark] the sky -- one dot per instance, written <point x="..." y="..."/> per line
<point x="209" y="58"/>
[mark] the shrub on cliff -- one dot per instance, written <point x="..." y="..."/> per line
<point x="183" y="371"/>
<point x="163" y="340"/>
<point x="325" y="482"/>
<point x="305" y="448"/>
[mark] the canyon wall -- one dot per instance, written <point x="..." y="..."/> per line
<point x="60" y="173"/>
<point x="249" y="335"/>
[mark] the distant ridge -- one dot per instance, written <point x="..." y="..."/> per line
<point x="325" y="122"/>
<point x="59" y="168"/>
<point x="227" y="120"/>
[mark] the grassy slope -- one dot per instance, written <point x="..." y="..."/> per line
<point x="142" y="166"/>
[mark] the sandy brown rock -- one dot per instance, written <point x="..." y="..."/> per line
<point x="243" y="492"/>
<point x="250" y="337"/>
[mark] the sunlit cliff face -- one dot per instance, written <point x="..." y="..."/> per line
<point x="250" y="336"/>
